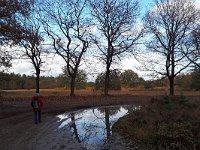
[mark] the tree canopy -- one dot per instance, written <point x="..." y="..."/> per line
<point x="11" y="19"/>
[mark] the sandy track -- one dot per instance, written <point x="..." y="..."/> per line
<point x="19" y="132"/>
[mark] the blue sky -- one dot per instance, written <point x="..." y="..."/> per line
<point x="145" y="5"/>
<point x="54" y="66"/>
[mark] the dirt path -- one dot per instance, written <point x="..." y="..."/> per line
<point x="19" y="132"/>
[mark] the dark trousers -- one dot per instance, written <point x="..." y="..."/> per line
<point x="37" y="116"/>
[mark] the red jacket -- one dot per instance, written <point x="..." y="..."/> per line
<point x="40" y="102"/>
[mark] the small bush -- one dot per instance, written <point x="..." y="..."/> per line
<point x="175" y="101"/>
<point x="175" y="136"/>
<point x="182" y="100"/>
<point x="168" y="102"/>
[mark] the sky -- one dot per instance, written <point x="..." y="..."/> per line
<point x="54" y="64"/>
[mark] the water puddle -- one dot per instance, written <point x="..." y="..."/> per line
<point x="92" y="127"/>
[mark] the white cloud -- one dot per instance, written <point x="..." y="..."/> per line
<point x="21" y="67"/>
<point x="52" y="66"/>
<point x="197" y="4"/>
<point x="133" y="64"/>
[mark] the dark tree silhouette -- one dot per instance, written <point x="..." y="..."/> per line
<point x="11" y="16"/>
<point x="32" y="46"/>
<point x="170" y="22"/>
<point x="66" y="25"/>
<point x="116" y="36"/>
<point x="12" y="13"/>
<point x="192" y="47"/>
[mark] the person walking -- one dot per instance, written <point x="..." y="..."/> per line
<point x="37" y="105"/>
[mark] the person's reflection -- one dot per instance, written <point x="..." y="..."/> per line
<point x="73" y="125"/>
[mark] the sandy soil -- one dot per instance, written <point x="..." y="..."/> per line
<point x="18" y="131"/>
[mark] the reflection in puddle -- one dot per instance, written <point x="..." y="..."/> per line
<point x="92" y="127"/>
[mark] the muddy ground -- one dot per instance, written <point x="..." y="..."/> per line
<point x="18" y="131"/>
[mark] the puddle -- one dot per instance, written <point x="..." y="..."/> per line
<point x="92" y="127"/>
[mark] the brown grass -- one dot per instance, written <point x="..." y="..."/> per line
<point x="16" y="112"/>
<point x="89" y="92"/>
<point x="58" y="100"/>
<point x="163" y="125"/>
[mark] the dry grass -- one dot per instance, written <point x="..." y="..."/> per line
<point x="165" y="124"/>
<point x="58" y="100"/>
<point x="89" y="92"/>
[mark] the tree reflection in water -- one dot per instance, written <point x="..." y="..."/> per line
<point x="92" y="127"/>
<point x="73" y="125"/>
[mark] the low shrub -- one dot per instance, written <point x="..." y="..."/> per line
<point x="168" y="124"/>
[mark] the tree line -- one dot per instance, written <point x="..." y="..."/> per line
<point x="127" y="79"/>
<point x="106" y="29"/>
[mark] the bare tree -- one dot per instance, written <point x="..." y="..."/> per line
<point x="32" y="46"/>
<point x="192" y="47"/>
<point x="67" y="27"/>
<point x="169" y="23"/>
<point x="115" y="36"/>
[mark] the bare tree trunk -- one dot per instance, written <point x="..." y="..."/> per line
<point x="107" y="82"/>
<point x="171" y="79"/>
<point x="72" y="85"/>
<point x="37" y="81"/>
